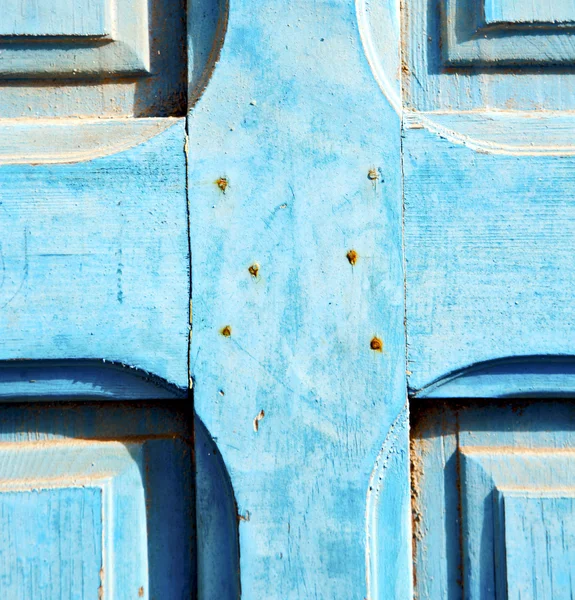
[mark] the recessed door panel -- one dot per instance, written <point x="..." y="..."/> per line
<point x="494" y="500"/>
<point x="95" y="502"/>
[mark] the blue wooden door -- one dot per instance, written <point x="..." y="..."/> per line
<point x="261" y="210"/>
<point x="487" y="96"/>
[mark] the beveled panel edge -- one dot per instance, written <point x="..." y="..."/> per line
<point x="70" y="140"/>
<point x="525" y="133"/>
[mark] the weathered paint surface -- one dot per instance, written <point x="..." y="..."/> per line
<point x="294" y="162"/>
<point x="488" y="238"/>
<point x="91" y="496"/>
<point x="282" y="189"/>
<point x="94" y="259"/>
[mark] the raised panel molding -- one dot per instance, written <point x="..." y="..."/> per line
<point x="537" y="12"/>
<point x="493" y="499"/>
<point x="82" y="41"/>
<point x="99" y="58"/>
<point x="47" y="18"/>
<point x="543" y="522"/>
<point x="89" y="487"/>
<point x="472" y="39"/>
<point x="532" y="498"/>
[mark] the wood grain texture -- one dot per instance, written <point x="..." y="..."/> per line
<point x="526" y="70"/>
<point x="294" y="161"/>
<point x="511" y="377"/>
<point x="37" y="560"/>
<point x="519" y="12"/>
<point x="94" y="259"/>
<point x="488" y="241"/>
<point x="137" y="69"/>
<point x="49" y="18"/>
<point x="83" y="381"/>
<point x="540" y="543"/>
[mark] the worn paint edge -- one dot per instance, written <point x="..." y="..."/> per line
<point x="416" y="120"/>
<point x="372" y="56"/>
<point x="31" y="373"/>
<point x="35" y="141"/>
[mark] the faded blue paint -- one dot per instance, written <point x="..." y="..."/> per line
<point x="93" y="259"/>
<point x="89" y="381"/>
<point x="487" y="243"/>
<point x="494" y="502"/>
<point x="289" y="198"/>
<point x="294" y="122"/>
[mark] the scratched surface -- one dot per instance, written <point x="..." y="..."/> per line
<point x="488" y="238"/>
<point x="297" y="354"/>
<point x="293" y="184"/>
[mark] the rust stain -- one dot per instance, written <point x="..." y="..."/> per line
<point x="254" y="270"/>
<point x="101" y="588"/>
<point x="226" y="331"/>
<point x="141" y="592"/>
<point x="222" y="183"/>
<point x="245" y="517"/>
<point x="376" y="344"/>
<point x="372" y="174"/>
<point x="257" y="420"/>
<point x="352" y="257"/>
<point x="416" y="473"/>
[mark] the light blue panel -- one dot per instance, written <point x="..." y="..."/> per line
<point x="85" y="381"/>
<point x="452" y="61"/>
<point x="465" y="39"/>
<point x="56" y="18"/>
<point x="131" y="65"/>
<point x="294" y="161"/>
<point x="64" y="51"/>
<point x="488" y="249"/>
<point x="540" y="544"/>
<point x="94" y="259"/>
<point x="522" y="11"/>
<point x="51" y="543"/>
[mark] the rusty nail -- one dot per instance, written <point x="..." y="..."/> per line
<point x="222" y="183"/>
<point x="352" y="257"/>
<point x="254" y="270"/>
<point x="226" y="331"/>
<point x="376" y="344"/>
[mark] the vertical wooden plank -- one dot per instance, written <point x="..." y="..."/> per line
<point x="297" y="346"/>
